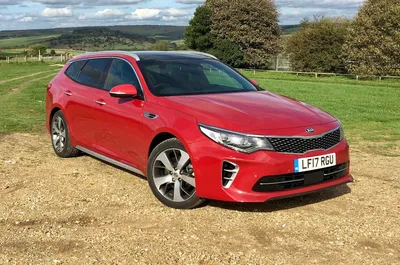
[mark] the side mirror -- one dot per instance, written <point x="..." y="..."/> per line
<point x="124" y="91"/>
<point x="254" y="82"/>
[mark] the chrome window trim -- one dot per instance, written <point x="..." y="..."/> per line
<point x="111" y="57"/>
<point x="109" y="160"/>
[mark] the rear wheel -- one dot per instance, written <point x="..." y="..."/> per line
<point x="171" y="176"/>
<point x="60" y="136"/>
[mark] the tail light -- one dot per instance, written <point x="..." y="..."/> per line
<point x="49" y="85"/>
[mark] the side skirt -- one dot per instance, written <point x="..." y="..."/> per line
<point x="109" y="160"/>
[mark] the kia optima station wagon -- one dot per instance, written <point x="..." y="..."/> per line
<point x="196" y="128"/>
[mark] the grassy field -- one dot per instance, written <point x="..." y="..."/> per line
<point x="369" y="110"/>
<point x="22" y="101"/>
<point x="24" y="41"/>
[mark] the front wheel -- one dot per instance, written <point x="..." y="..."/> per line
<point x="171" y="176"/>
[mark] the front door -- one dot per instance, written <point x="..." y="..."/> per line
<point x="119" y="127"/>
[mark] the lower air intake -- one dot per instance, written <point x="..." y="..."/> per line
<point x="229" y="173"/>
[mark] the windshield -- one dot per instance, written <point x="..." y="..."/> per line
<point x="192" y="77"/>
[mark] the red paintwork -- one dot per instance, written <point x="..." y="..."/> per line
<point x="120" y="131"/>
<point x="124" y="90"/>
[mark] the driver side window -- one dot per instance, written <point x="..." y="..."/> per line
<point x="121" y="73"/>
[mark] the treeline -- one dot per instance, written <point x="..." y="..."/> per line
<point x="245" y="33"/>
<point x="99" y="39"/>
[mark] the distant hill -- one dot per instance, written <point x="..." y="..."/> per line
<point x="289" y="29"/>
<point x="149" y="31"/>
<point x="170" y="33"/>
<point x="99" y="39"/>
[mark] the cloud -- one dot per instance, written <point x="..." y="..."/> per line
<point x="26" y="19"/>
<point x="87" y="2"/>
<point x="171" y="14"/>
<point x="145" y="13"/>
<point x="57" y="12"/>
<point x="9" y="2"/>
<point x="109" y="13"/>
<point x="190" y="2"/>
<point x="336" y="4"/>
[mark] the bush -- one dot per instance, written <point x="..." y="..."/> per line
<point x="318" y="46"/>
<point x="373" y="46"/>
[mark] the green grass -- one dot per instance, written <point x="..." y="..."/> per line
<point x="369" y="110"/>
<point x="24" y="41"/>
<point x="15" y="70"/>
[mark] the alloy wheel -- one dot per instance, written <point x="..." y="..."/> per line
<point x="174" y="176"/>
<point x="58" y="131"/>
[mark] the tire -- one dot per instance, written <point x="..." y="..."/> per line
<point x="60" y="137"/>
<point x="170" y="176"/>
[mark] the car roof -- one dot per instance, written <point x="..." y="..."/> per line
<point x="149" y="55"/>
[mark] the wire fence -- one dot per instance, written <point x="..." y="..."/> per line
<point x="44" y="58"/>
<point x="256" y="72"/>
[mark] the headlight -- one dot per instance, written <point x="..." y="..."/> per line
<point x="237" y="141"/>
<point x="341" y="133"/>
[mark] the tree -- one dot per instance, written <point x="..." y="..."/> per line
<point x="252" y="25"/>
<point x="160" y="45"/>
<point x="198" y="33"/>
<point x="318" y="46"/>
<point x="373" y="46"/>
<point x="53" y="53"/>
<point x="36" y="49"/>
<point x="228" y="52"/>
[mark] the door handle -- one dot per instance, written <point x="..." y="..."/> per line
<point x="68" y="93"/>
<point x="100" y="102"/>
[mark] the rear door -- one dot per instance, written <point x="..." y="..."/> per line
<point x="90" y="83"/>
<point x="119" y="121"/>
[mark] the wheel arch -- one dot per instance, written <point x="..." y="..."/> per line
<point x="53" y="111"/>
<point x="159" y="138"/>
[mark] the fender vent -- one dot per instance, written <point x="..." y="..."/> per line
<point x="229" y="173"/>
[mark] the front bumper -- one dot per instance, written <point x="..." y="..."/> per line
<point x="208" y="157"/>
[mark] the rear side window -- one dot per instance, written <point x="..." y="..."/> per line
<point x="74" y="70"/>
<point x="121" y="73"/>
<point x="94" y="73"/>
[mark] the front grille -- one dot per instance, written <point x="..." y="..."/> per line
<point x="297" y="180"/>
<point x="302" y="145"/>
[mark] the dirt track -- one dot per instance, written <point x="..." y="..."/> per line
<point x="82" y="211"/>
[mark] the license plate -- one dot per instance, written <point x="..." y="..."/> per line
<point x="314" y="163"/>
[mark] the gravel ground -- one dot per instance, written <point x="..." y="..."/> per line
<point x="82" y="211"/>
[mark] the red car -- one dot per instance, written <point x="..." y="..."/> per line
<point x="195" y="127"/>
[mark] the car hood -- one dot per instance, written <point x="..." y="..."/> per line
<point x="249" y="111"/>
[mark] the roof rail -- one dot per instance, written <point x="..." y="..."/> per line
<point x="136" y="56"/>
<point x="132" y="54"/>
<point x="199" y="53"/>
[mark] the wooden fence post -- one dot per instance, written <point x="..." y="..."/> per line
<point x="8" y="59"/>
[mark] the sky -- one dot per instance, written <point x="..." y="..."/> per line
<point x="36" y="14"/>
